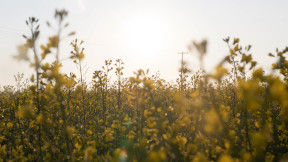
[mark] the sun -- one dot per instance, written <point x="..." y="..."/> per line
<point x="145" y="33"/>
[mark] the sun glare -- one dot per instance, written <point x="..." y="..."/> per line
<point x="143" y="33"/>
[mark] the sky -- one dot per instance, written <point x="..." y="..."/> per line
<point x="146" y="33"/>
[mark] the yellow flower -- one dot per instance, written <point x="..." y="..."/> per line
<point x="9" y="125"/>
<point x="220" y="72"/>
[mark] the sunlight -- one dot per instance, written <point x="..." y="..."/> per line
<point x="143" y="33"/>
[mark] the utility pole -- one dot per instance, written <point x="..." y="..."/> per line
<point x="182" y="68"/>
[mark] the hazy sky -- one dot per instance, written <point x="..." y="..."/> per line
<point x="146" y="33"/>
